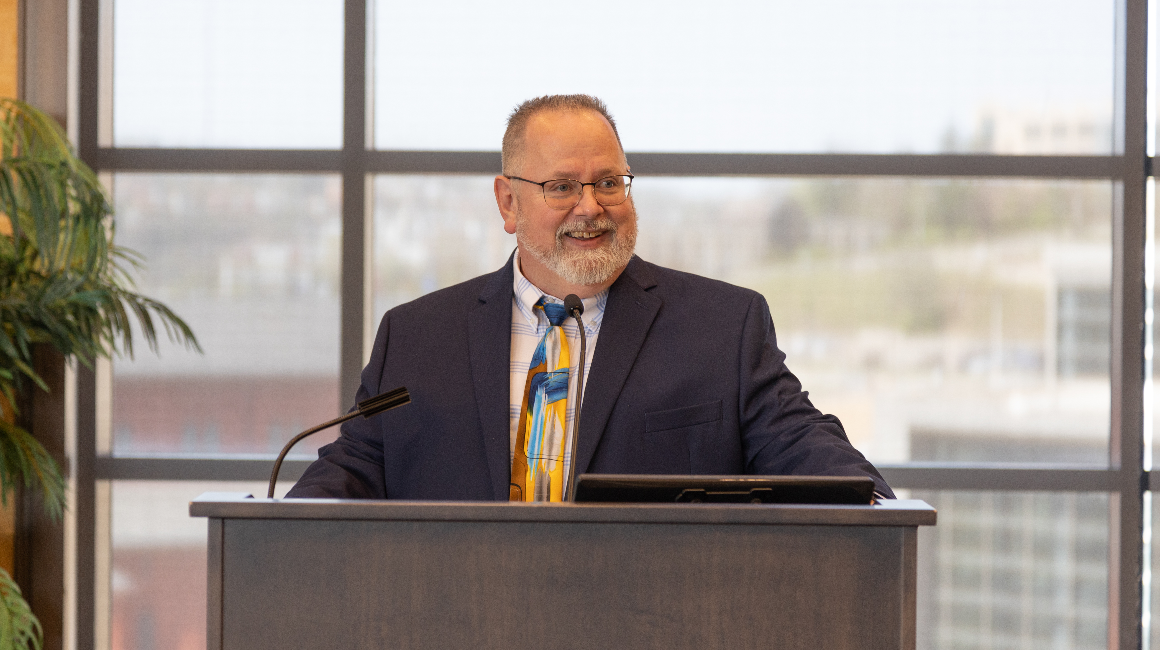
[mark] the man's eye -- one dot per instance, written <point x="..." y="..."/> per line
<point x="609" y="183"/>
<point x="562" y="187"/>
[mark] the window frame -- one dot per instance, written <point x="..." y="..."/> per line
<point x="1128" y="167"/>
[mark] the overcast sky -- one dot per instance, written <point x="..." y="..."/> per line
<point x="732" y="75"/>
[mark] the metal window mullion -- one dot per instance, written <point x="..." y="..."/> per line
<point x="107" y="468"/>
<point x="1012" y="479"/>
<point x="1126" y="559"/>
<point x="921" y="165"/>
<point x="650" y="164"/>
<point x="355" y="287"/>
<point x="88" y="90"/>
<point x="781" y="164"/>
<point x="1048" y="478"/>
<point x="220" y="160"/>
<point x="85" y="505"/>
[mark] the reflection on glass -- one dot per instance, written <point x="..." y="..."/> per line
<point x="1019" y="77"/>
<point x="1014" y="570"/>
<point x="1151" y="586"/>
<point x="432" y="232"/>
<point x="227" y="73"/>
<point x="159" y="563"/>
<point x="1001" y="570"/>
<point x="941" y="320"/>
<point x="1150" y="365"/>
<point x="251" y="262"/>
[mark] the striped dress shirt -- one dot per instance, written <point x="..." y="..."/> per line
<point x="528" y="327"/>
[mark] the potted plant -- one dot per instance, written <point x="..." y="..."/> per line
<point x="63" y="283"/>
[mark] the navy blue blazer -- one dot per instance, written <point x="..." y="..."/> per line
<point x="686" y="378"/>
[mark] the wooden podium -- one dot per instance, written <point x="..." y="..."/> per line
<point x="390" y="574"/>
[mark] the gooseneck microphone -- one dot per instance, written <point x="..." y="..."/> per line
<point x="366" y="408"/>
<point x="574" y="308"/>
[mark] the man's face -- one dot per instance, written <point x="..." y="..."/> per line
<point x="588" y="245"/>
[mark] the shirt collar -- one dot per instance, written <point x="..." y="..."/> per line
<point x="526" y="295"/>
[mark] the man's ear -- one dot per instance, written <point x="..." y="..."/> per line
<point x="505" y="199"/>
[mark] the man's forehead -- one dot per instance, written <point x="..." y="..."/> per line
<point x="556" y="117"/>
<point x="566" y="140"/>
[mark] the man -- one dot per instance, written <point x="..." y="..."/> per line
<point x="683" y="373"/>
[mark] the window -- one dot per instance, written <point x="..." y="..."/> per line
<point x="945" y="206"/>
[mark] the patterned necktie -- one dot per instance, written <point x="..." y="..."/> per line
<point x="538" y="464"/>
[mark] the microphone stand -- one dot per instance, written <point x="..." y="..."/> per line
<point x="575" y="307"/>
<point x="366" y="408"/>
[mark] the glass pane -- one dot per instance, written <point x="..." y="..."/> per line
<point x="251" y="262"/>
<point x="1013" y="570"/>
<point x="432" y="232"/>
<point x="228" y="73"/>
<point x="941" y="320"/>
<point x="1151" y="586"/>
<point x="1150" y="365"/>
<point x="159" y="563"/>
<point x="1020" y="77"/>
<point x="1001" y="570"/>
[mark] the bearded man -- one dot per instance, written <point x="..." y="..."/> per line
<point x="682" y="374"/>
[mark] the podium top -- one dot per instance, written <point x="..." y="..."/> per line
<point x="239" y="505"/>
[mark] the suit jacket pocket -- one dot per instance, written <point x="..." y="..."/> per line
<point x="686" y="416"/>
<point x="674" y="439"/>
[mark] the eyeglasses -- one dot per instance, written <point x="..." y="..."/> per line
<point x="564" y="193"/>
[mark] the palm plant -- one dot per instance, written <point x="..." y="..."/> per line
<point x="64" y="283"/>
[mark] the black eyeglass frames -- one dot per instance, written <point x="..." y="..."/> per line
<point x="564" y="193"/>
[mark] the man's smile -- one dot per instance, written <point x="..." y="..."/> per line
<point x="584" y="234"/>
<point x="587" y="233"/>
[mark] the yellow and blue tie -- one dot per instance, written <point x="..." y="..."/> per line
<point x="538" y="464"/>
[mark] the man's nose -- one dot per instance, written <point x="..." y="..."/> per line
<point x="588" y="203"/>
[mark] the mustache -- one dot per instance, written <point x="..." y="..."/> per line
<point x="599" y="223"/>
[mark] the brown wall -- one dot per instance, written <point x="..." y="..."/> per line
<point x="9" y="74"/>
<point x="9" y="47"/>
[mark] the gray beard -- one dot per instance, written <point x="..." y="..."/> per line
<point x="584" y="268"/>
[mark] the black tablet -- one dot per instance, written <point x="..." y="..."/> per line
<point x="656" y="488"/>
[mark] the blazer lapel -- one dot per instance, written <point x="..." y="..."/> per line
<point x="628" y="315"/>
<point x="489" y="344"/>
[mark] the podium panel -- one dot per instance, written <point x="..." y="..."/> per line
<point x="320" y="573"/>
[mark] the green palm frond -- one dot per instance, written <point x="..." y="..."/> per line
<point x="24" y="461"/>
<point x="63" y="281"/>
<point x="19" y="628"/>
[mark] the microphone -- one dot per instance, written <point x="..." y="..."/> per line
<point x="575" y="307"/>
<point x="366" y="408"/>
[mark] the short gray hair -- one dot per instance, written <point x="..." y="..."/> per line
<point x="513" y="137"/>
